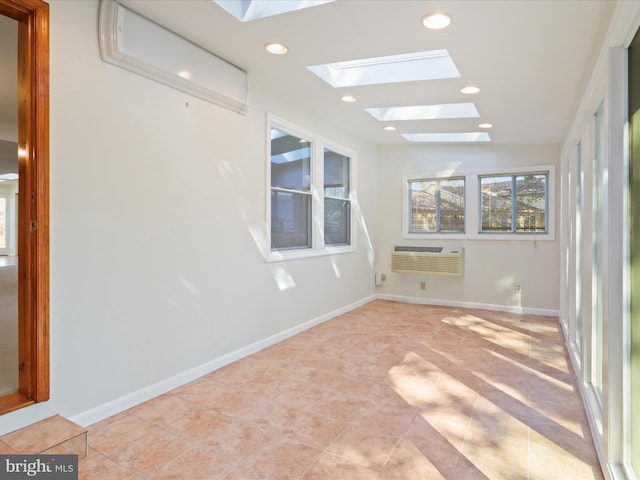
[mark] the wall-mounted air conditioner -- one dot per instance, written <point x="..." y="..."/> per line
<point x="135" y="43"/>
<point x="428" y="260"/>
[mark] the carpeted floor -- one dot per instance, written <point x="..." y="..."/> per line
<point x="8" y="329"/>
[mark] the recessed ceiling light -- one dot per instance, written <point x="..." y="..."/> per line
<point x="436" y="21"/>
<point x="276" y="48"/>
<point x="485" y="125"/>
<point x="448" y="137"/>
<point x="389" y="128"/>
<point x="406" y="67"/>
<point x="349" y="99"/>
<point x="469" y="90"/>
<point x="425" y="112"/>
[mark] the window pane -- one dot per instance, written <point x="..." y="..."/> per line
<point x="497" y="204"/>
<point x="598" y="199"/>
<point x="3" y="223"/>
<point x="290" y="220"/>
<point x="337" y="221"/>
<point x="452" y="205"/>
<point x="531" y="203"/>
<point x="290" y="161"/>
<point x="336" y="174"/>
<point x="424" y="213"/>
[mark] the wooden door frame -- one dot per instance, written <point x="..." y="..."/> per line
<point x="33" y="221"/>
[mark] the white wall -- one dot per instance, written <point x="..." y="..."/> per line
<point x="157" y="226"/>
<point x="492" y="267"/>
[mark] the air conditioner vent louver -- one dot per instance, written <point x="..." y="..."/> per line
<point x="428" y="260"/>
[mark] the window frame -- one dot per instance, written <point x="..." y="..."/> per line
<point x="473" y="204"/>
<point x="438" y="230"/>
<point x="317" y="247"/>
<point x="514" y="204"/>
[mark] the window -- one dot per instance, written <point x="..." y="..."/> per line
<point x="290" y="191"/>
<point x="475" y="205"/>
<point x="311" y="186"/>
<point x="514" y="203"/>
<point x="436" y="205"/>
<point x="337" y="206"/>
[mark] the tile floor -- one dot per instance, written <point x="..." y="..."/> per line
<point x="387" y="391"/>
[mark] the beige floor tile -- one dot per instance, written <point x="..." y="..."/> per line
<point x="202" y="391"/>
<point x="150" y="452"/>
<point x="110" y="437"/>
<point x="283" y="460"/>
<point x="196" y="464"/>
<point x="440" y="447"/>
<point x="162" y="410"/>
<point x="370" y="450"/>
<point x="408" y="462"/>
<point x="391" y="422"/>
<point x="315" y="430"/>
<point x="551" y="462"/>
<point x="237" y="440"/>
<point x="387" y="391"/>
<point x="42" y="435"/>
<point x="6" y="449"/>
<point x="243" y="473"/>
<point x="269" y="414"/>
<point x="103" y="468"/>
<point x="328" y="466"/>
<point x="198" y="425"/>
<point x="340" y="408"/>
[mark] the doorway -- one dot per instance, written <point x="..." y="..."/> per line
<point x="32" y="218"/>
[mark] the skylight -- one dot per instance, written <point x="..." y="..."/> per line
<point x="425" y="112"/>
<point x="448" y="137"/>
<point x="247" y="10"/>
<point x="429" y="65"/>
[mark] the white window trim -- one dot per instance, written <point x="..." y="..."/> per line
<point x="318" y="248"/>
<point x="472" y="205"/>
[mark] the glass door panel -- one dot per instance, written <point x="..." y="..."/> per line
<point x="4" y="227"/>
<point x="597" y="287"/>
<point x="633" y="434"/>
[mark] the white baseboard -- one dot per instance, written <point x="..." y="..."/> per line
<point x="130" y="400"/>
<point x="463" y="304"/>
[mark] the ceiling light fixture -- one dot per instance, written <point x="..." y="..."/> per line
<point x="349" y="99"/>
<point x="470" y="90"/>
<point x="485" y="125"/>
<point x="276" y="48"/>
<point x="389" y="128"/>
<point x="436" y="21"/>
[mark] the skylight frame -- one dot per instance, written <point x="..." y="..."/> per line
<point x="424" y="112"/>
<point x="451" y="137"/>
<point x="249" y="10"/>
<point x="399" y="68"/>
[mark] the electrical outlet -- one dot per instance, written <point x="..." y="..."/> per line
<point x="423" y="285"/>
<point x="383" y="277"/>
<point x="518" y="288"/>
